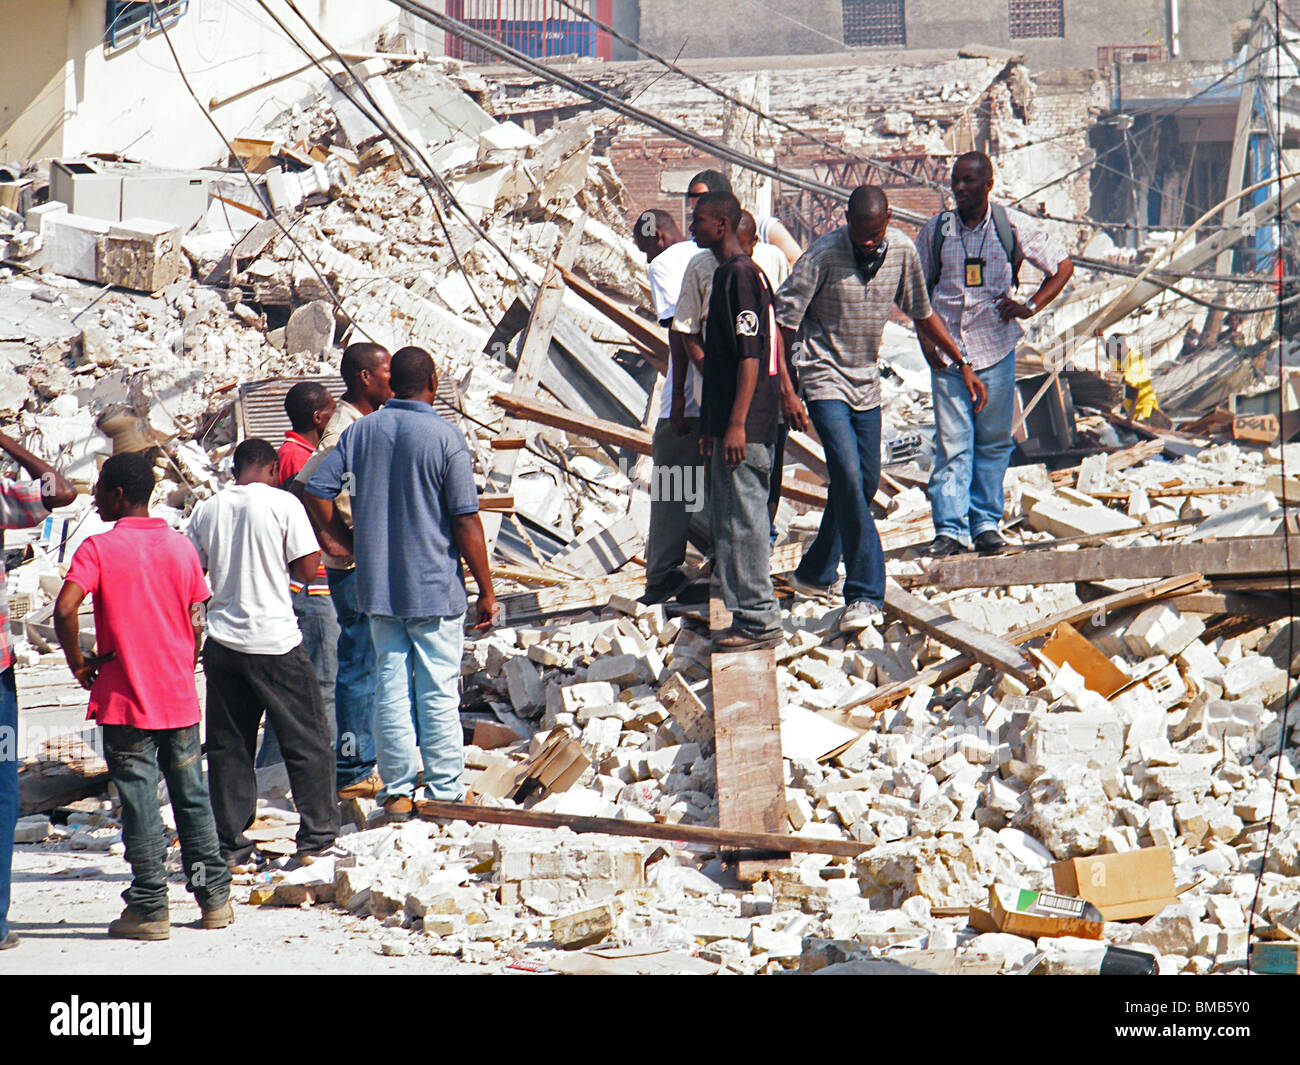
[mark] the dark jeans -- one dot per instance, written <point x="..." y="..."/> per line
<point x="354" y="690"/>
<point x="742" y="546"/>
<point x="320" y="637"/>
<point x="678" y="499"/>
<point x="134" y="758"/>
<point x="8" y="788"/>
<point x="240" y="687"/>
<point x="852" y="442"/>
<point x="778" y="472"/>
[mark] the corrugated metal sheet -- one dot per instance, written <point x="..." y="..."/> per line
<point x="259" y="407"/>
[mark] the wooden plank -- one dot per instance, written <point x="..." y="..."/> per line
<point x="983" y="647"/>
<point x="570" y="597"/>
<point x="650" y="337"/>
<point x="719" y="837"/>
<point x="747" y="741"/>
<point x="1265" y="607"/>
<point x="1097" y="612"/>
<point x="611" y="434"/>
<point x="1257" y="556"/>
<point x="1116" y="460"/>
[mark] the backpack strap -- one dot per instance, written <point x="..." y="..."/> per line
<point x="946" y="220"/>
<point x="1010" y="242"/>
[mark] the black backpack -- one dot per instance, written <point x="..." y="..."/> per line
<point x="1006" y="234"/>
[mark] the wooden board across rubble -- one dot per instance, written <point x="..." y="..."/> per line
<point x="1256" y="556"/>
<point x="923" y="616"/>
<point x="612" y="434"/>
<point x="431" y="810"/>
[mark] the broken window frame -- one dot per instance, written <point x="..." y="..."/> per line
<point x="874" y="23"/>
<point x="127" y="20"/>
<point x="1036" y="19"/>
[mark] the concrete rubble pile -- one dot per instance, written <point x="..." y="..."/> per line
<point x="949" y="790"/>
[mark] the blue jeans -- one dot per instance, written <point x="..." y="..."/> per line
<point x="354" y="687"/>
<point x="971" y="451"/>
<point x="852" y="442"/>
<point x="134" y="758"/>
<point x="417" y="704"/>
<point x="319" y="626"/>
<point x="8" y="788"/>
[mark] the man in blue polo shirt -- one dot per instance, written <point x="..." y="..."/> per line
<point x="415" y="516"/>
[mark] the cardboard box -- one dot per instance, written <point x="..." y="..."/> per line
<point x="1099" y="673"/>
<point x="1133" y="884"/>
<point x="1035" y="914"/>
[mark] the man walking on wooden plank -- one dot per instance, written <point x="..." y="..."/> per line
<point x="971" y="259"/>
<point x="743" y="373"/>
<point x="832" y="311"/>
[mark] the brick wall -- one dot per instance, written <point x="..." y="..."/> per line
<point x="641" y="161"/>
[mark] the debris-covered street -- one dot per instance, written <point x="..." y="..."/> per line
<point x="1070" y="749"/>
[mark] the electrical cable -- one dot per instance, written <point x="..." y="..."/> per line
<point x="1286" y="540"/>
<point x="424" y="172"/>
<point x="731" y="98"/>
<point x="329" y="289"/>
<point x="704" y="144"/>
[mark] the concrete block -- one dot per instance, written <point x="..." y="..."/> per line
<point x="71" y="244"/>
<point x="1254" y="673"/>
<point x="583" y="928"/>
<point x="524" y="684"/>
<point x="619" y="670"/>
<point x="574" y="696"/>
<point x="1160" y="824"/>
<point x="141" y="254"/>
<point x="1192" y="823"/>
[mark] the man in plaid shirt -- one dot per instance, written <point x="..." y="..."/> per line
<point x="971" y="291"/>
<point x="23" y="504"/>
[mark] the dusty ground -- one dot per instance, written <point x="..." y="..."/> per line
<point x="63" y="901"/>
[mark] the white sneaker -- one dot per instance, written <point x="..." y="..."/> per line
<point x="860" y="615"/>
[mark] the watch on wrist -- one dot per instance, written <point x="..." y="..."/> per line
<point x="1033" y="307"/>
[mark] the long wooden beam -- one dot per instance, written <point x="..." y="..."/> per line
<point x="1242" y="557"/>
<point x="523" y="408"/>
<point x="651" y="337"/>
<point x="1098" y="610"/>
<point x="719" y="837"/>
<point x="935" y="621"/>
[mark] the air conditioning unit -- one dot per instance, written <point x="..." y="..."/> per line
<point x="114" y="191"/>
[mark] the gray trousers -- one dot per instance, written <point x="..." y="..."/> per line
<point x="677" y="497"/>
<point x="742" y="542"/>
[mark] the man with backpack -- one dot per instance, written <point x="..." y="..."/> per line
<point x="971" y="258"/>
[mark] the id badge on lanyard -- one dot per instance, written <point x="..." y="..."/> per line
<point x="974" y="271"/>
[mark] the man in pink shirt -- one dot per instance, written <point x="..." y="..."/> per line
<point x="147" y="586"/>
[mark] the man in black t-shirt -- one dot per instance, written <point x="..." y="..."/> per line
<point x="745" y="379"/>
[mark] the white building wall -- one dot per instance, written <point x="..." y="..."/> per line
<point x="131" y="100"/>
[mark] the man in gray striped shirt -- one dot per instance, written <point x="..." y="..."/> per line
<point x="832" y="310"/>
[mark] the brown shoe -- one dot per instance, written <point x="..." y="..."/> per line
<point x="222" y="916"/>
<point x="362" y="789"/>
<point x="734" y="639"/>
<point x="132" y="925"/>
<point x="399" y="808"/>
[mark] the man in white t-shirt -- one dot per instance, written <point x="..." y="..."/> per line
<point x="251" y="537"/>
<point x="677" y="487"/>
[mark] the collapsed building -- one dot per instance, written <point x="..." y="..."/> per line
<point x="1113" y="691"/>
